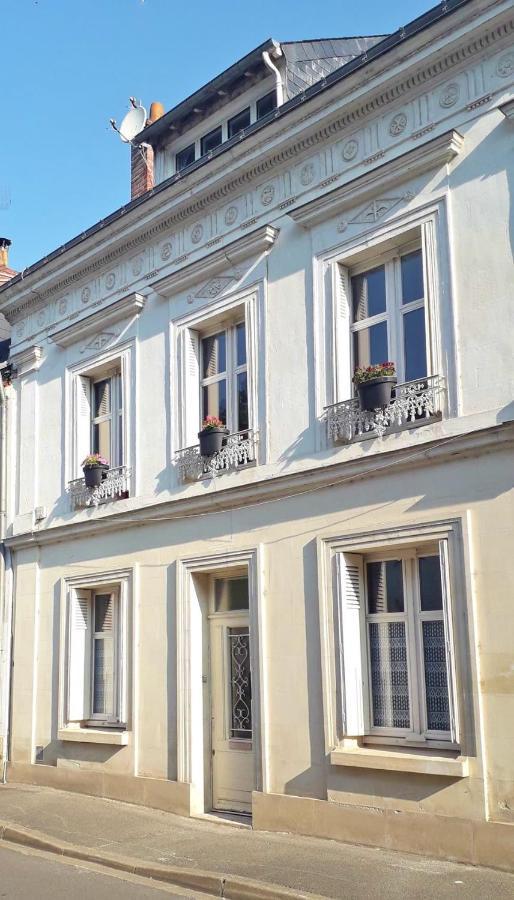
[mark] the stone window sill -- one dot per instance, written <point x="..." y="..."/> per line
<point x="93" y="736"/>
<point x="400" y="761"/>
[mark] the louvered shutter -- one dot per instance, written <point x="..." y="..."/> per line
<point x="82" y="421"/>
<point x="79" y="662"/>
<point x="342" y="320"/>
<point x="351" y="606"/>
<point x="126" y="392"/>
<point x="448" y="635"/>
<point x="192" y="386"/>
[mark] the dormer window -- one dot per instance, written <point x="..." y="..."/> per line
<point x="211" y="140"/>
<point x="239" y="122"/>
<point x="185" y="157"/>
<point x="266" y="104"/>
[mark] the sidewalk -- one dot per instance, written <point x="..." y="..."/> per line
<point x="110" y="829"/>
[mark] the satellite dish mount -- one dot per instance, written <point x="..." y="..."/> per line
<point x="133" y="122"/>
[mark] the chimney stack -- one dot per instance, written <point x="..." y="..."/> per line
<point x="5" y="272"/>
<point x="142" y="159"/>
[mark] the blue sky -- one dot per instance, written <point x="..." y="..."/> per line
<point x="68" y="66"/>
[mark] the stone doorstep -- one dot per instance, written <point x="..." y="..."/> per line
<point x="231" y="887"/>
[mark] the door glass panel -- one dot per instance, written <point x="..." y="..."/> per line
<point x="412" y="276"/>
<point x="436" y="676"/>
<point x="230" y="594"/>
<point x="385" y="586"/>
<point x="368" y="294"/>
<point x="370" y="345"/>
<point x="242" y="402"/>
<point x="102" y="439"/>
<point x="241" y="344"/>
<point x="214" y="355"/>
<point x="240" y="683"/>
<point x="389" y="675"/>
<point x="430" y="587"/>
<point x="414" y="344"/>
<point x="103" y="676"/>
<point x="214" y="399"/>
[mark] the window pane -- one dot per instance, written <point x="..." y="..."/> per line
<point x="185" y="157"/>
<point x="430" y="587"/>
<point x="242" y="402"/>
<point x="237" y="123"/>
<point x="211" y="141"/>
<point x="266" y="104"/>
<point x="119" y="460"/>
<point x="412" y="276"/>
<point x="102" y="397"/>
<point x="103" y="612"/>
<point x="389" y="676"/>
<point x="102" y="439"/>
<point x="103" y="677"/>
<point x="370" y="345"/>
<point x="368" y="294"/>
<point x="230" y="594"/>
<point x="241" y="344"/>
<point x="436" y="677"/>
<point x="385" y="586"/>
<point x="214" y="399"/>
<point x="240" y="683"/>
<point x="414" y="344"/>
<point x="214" y="355"/>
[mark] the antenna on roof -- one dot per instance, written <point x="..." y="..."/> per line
<point x="133" y="122"/>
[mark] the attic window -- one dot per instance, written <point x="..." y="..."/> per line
<point x="211" y="140"/>
<point x="185" y="157"/>
<point x="239" y="122"/>
<point x="266" y="104"/>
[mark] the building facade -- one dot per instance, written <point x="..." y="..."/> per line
<point x="314" y="625"/>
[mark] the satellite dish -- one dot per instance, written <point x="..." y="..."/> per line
<point x="132" y="124"/>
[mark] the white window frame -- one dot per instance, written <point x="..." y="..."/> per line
<point x="115" y="377"/>
<point x="186" y="372"/>
<point x="119" y="582"/>
<point x="115" y="716"/>
<point x="79" y="432"/>
<point x="395" y="310"/>
<point x="345" y="677"/>
<point x="232" y="370"/>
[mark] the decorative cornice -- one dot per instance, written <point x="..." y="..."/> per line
<point x="508" y="109"/>
<point x="251" y="244"/>
<point x="98" y="320"/>
<point x="26" y="361"/>
<point x="432" y="155"/>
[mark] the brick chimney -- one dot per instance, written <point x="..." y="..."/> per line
<point x="5" y="272"/>
<point x="141" y="170"/>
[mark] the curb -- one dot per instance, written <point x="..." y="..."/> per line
<point x="229" y="887"/>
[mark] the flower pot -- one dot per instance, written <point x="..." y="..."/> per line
<point x="376" y="392"/>
<point x="212" y="440"/>
<point x="94" y="475"/>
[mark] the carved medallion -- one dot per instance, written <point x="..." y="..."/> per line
<point x="449" y="95"/>
<point x="41" y="318"/>
<point x="231" y="215"/>
<point x="166" y="250"/>
<point x="137" y="265"/>
<point x="86" y="294"/>
<point x="342" y="226"/>
<point x="197" y="233"/>
<point x="110" y="281"/>
<point x="307" y="174"/>
<point x="267" y="194"/>
<point x="62" y="306"/>
<point x="398" y="124"/>
<point x="350" y="150"/>
<point x="505" y="65"/>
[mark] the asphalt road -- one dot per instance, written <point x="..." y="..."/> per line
<point x="28" y="875"/>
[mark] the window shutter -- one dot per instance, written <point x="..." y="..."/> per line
<point x="79" y="661"/>
<point x="82" y="420"/>
<point x="126" y="390"/>
<point x="448" y="635"/>
<point x="351" y="622"/>
<point x="342" y="321"/>
<point x="192" y="386"/>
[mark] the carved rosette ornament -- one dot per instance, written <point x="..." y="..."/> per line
<point x="350" y="150"/>
<point x="397" y="124"/>
<point x="110" y="281"/>
<point x="231" y="215"/>
<point x="166" y="250"/>
<point x="62" y="306"/>
<point x="449" y="95"/>
<point x="267" y="194"/>
<point x="307" y="174"/>
<point x="137" y="265"/>
<point x="505" y="65"/>
<point x="86" y="294"/>
<point x="197" y="233"/>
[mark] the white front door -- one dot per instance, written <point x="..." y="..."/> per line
<point x="231" y="712"/>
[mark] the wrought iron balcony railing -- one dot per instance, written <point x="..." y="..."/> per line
<point x="115" y="485"/>
<point x="413" y="403"/>
<point x="239" y="451"/>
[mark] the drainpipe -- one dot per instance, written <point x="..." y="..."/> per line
<point x="276" y="52"/>
<point x="5" y="597"/>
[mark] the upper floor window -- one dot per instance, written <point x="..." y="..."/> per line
<point x="224" y="377"/>
<point x="239" y="122"/>
<point x="266" y="104"/>
<point x="388" y="315"/>
<point x="211" y="140"/>
<point x="106" y="405"/>
<point x="185" y="157"/>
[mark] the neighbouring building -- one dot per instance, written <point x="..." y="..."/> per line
<point x="314" y="624"/>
